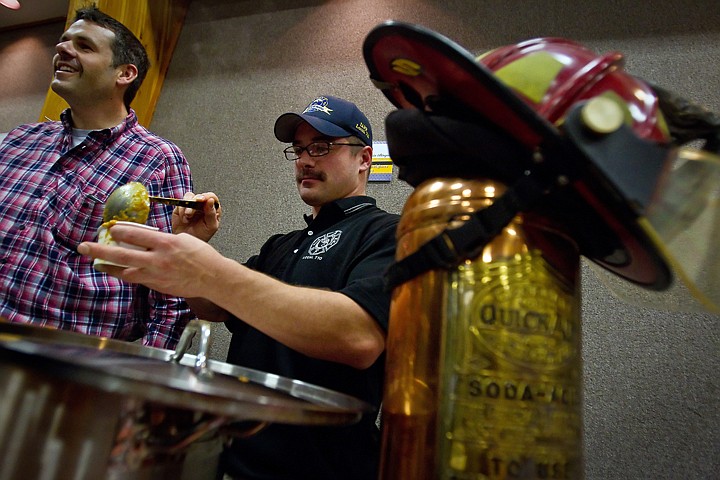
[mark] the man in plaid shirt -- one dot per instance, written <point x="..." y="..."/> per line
<point x="55" y="177"/>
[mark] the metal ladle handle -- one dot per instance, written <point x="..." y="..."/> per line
<point x="204" y="330"/>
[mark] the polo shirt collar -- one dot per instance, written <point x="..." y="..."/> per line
<point x="337" y="210"/>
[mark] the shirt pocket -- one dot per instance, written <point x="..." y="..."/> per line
<point x="81" y="218"/>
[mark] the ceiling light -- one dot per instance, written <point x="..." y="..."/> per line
<point x="11" y="4"/>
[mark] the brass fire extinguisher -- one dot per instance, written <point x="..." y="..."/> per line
<point x="484" y="366"/>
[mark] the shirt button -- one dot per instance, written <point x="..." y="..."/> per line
<point x="310" y="232"/>
<point x="295" y="251"/>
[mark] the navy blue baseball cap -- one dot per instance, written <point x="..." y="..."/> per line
<point x="331" y="116"/>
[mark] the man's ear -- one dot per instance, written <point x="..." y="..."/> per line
<point x="126" y="74"/>
<point x="366" y="158"/>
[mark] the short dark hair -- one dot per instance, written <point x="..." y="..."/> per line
<point x="126" y="47"/>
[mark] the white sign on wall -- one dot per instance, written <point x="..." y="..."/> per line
<point x="382" y="167"/>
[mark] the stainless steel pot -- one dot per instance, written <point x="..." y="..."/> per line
<point x="87" y="408"/>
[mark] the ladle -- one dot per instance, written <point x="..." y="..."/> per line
<point x="179" y="202"/>
<point x="131" y="203"/>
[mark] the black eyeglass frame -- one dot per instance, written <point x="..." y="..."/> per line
<point x="296" y="150"/>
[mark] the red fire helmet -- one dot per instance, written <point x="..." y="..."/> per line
<point x="638" y="204"/>
<point x="553" y="74"/>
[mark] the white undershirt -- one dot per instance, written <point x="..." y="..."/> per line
<point x="78" y="136"/>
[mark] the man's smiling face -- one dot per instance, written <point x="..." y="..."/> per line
<point x="83" y="65"/>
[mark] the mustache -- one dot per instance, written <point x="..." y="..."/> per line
<point x="309" y="175"/>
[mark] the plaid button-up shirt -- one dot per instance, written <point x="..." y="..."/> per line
<point x="52" y="197"/>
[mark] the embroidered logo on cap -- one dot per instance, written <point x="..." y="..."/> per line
<point x="362" y="128"/>
<point x="320" y="104"/>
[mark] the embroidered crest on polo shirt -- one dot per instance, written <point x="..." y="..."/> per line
<point x="324" y="243"/>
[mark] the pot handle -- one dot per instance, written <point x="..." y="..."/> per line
<point x="204" y="330"/>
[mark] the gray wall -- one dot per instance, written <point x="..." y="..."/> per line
<point x="651" y="377"/>
<point x="27" y="58"/>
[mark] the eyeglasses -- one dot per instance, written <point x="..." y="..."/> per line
<point x="315" y="149"/>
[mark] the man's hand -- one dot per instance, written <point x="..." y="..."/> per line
<point x="200" y="224"/>
<point x="178" y="265"/>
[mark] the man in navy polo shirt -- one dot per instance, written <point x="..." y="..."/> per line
<point x="310" y="306"/>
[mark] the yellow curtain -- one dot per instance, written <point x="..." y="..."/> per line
<point x="157" y="23"/>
